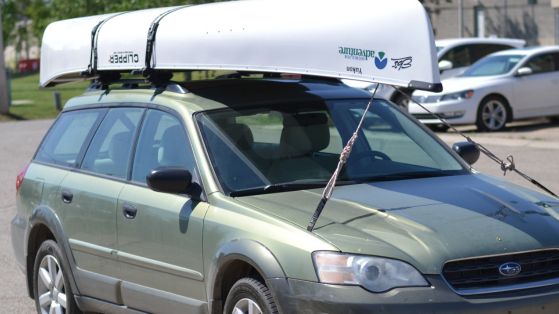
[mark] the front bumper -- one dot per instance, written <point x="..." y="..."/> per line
<point x="297" y="296"/>
<point x="467" y="106"/>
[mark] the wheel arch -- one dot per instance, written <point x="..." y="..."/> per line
<point x="44" y="224"/>
<point x="246" y="257"/>
<point x="510" y="114"/>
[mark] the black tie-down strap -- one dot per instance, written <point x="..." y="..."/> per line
<point x="506" y="166"/>
<point x="151" y="37"/>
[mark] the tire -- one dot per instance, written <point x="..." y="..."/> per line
<point x="249" y="292"/>
<point x="493" y="114"/>
<point x="50" y="281"/>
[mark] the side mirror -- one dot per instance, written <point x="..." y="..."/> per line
<point x="468" y="151"/>
<point x="169" y="180"/>
<point x="445" y="65"/>
<point x="524" y="71"/>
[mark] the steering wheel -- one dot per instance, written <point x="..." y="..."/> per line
<point x="361" y="161"/>
<point x="373" y="155"/>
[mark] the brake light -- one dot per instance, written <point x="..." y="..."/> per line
<point x="20" y="176"/>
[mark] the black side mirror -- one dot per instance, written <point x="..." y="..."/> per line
<point x="468" y="151"/>
<point x="169" y="180"/>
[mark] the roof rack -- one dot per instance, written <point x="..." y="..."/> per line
<point x="367" y="45"/>
<point x="158" y="80"/>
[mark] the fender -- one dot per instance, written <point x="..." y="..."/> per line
<point x="249" y="251"/>
<point x="47" y="216"/>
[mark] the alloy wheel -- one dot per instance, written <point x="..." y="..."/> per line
<point x="51" y="292"/>
<point x="246" y="306"/>
<point x="494" y="115"/>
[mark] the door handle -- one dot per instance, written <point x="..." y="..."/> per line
<point x="129" y="211"/>
<point x="67" y="196"/>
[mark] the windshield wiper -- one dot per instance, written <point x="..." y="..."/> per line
<point x="279" y="187"/>
<point x="407" y="175"/>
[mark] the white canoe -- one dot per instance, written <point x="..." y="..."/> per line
<point x="380" y="41"/>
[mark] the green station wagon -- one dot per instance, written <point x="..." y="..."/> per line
<point x="197" y="202"/>
<point x="211" y="196"/>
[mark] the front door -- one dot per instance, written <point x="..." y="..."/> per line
<point x="160" y="234"/>
<point x="537" y="94"/>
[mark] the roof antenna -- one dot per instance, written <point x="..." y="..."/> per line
<point x="327" y="193"/>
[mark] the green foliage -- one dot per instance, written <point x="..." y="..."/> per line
<point x="31" y="102"/>
<point x="43" y="12"/>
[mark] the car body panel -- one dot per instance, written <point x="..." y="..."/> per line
<point x="162" y="246"/>
<point x="89" y="221"/>
<point x="422" y="221"/>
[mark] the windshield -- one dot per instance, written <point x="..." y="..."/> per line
<point x="493" y="65"/>
<point x="297" y="145"/>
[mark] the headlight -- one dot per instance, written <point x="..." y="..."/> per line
<point x="459" y="95"/>
<point x="375" y="274"/>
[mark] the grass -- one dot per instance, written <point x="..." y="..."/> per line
<point x="31" y="102"/>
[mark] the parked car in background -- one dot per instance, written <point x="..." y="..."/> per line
<point x="455" y="56"/>
<point x="505" y="86"/>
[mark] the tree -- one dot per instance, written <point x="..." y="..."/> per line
<point x="43" y="12"/>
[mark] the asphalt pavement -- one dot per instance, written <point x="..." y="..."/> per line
<point x="18" y="141"/>
<point x="534" y="145"/>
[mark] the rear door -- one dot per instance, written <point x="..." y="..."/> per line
<point x="89" y="196"/>
<point x="537" y="94"/>
<point x="160" y="234"/>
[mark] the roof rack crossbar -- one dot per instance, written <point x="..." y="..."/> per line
<point x="151" y="37"/>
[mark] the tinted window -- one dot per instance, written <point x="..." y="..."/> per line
<point x="109" y="151"/>
<point x="246" y="155"/>
<point x="459" y="56"/>
<point x="543" y="63"/>
<point x="66" y="138"/>
<point x="479" y="51"/>
<point x="162" y="142"/>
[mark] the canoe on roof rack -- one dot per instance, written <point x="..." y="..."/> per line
<point x="383" y="41"/>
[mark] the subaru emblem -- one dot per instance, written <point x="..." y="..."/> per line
<point x="510" y="269"/>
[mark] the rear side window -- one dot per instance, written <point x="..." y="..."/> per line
<point x="543" y="63"/>
<point x="109" y="151"/>
<point x="66" y="138"/>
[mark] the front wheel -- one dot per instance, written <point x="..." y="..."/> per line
<point x="492" y="114"/>
<point x="53" y="293"/>
<point x="249" y="295"/>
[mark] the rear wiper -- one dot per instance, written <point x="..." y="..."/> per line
<point x="279" y="187"/>
<point x="406" y="175"/>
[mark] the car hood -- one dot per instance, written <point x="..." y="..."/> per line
<point x="458" y="84"/>
<point x="425" y="221"/>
